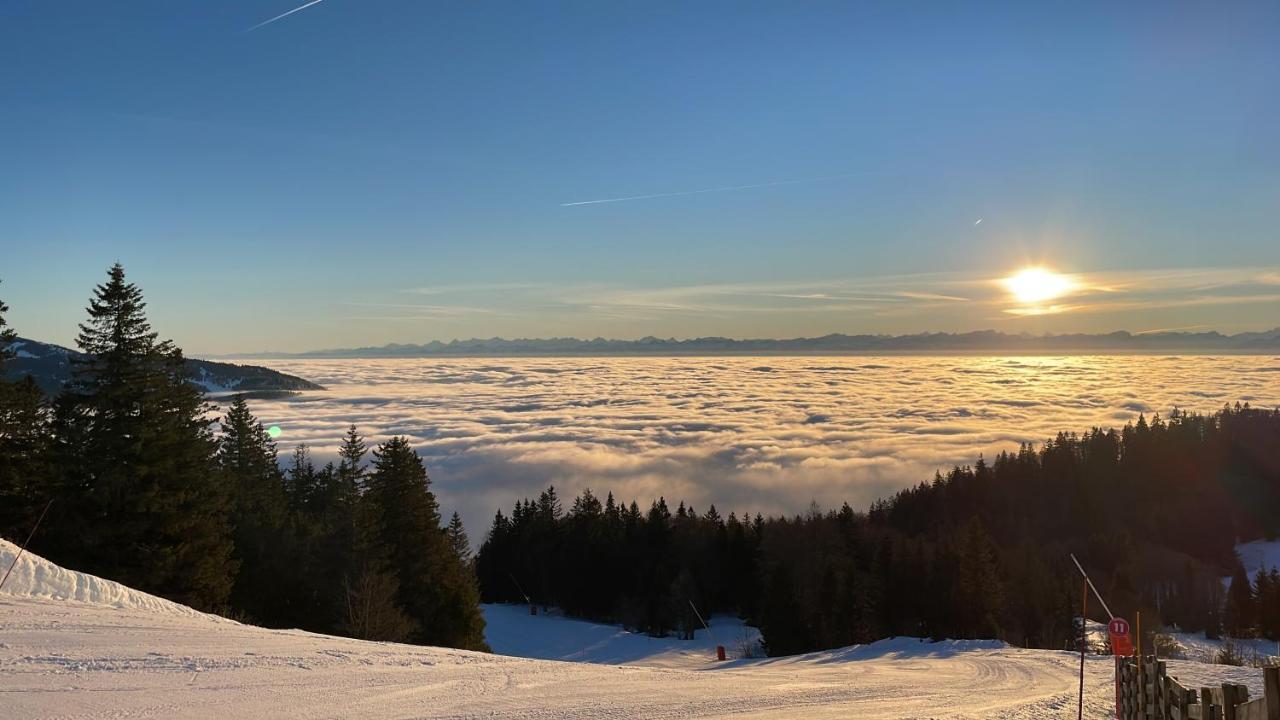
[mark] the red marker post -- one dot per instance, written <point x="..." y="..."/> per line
<point x="1121" y="644"/>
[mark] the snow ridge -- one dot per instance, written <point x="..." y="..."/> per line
<point x="35" y="577"/>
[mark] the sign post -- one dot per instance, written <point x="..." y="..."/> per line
<point x="1125" y="644"/>
<point x="1121" y="644"/>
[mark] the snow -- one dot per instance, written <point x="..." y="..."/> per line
<point x="75" y="646"/>
<point x="511" y="630"/>
<point x="1259" y="555"/>
<point x="210" y="384"/>
<point x="35" y="577"/>
<point x="1195" y="646"/>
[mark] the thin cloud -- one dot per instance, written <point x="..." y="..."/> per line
<point x="932" y="296"/>
<point x="281" y="16"/>
<point x="726" y="188"/>
<point x="900" y="303"/>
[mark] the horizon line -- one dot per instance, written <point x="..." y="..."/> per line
<point x="645" y="343"/>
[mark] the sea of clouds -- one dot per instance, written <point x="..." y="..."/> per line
<point x="768" y="434"/>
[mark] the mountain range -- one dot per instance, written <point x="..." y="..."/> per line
<point x="50" y="366"/>
<point x="982" y="341"/>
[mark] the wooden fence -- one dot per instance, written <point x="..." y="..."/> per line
<point x="1144" y="691"/>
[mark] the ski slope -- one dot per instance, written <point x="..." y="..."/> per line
<point x="510" y="630"/>
<point x="75" y="646"/>
<point x="1259" y="555"/>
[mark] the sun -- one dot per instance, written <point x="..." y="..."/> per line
<point x="1036" y="285"/>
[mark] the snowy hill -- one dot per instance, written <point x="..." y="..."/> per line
<point x="50" y="366"/>
<point x="75" y="646"/>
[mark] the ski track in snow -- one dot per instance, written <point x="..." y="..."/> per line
<point x="118" y="653"/>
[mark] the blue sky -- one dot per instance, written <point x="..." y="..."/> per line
<point x="368" y="172"/>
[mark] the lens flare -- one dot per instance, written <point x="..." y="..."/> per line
<point x="1036" y="285"/>
<point x="274" y="431"/>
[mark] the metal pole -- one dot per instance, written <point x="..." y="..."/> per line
<point x="522" y="592"/>
<point x="1091" y="587"/>
<point x="704" y="622"/>
<point x="23" y="549"/>
<point x="1084" y="642"/>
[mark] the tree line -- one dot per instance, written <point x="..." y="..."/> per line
<point x="1253" y="608"/>
<point x="1153" y="509"/>
<point x="144" y="485"/>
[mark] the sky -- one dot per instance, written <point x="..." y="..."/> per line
<point x="358" y="173"/>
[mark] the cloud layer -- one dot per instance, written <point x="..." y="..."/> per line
<point x="750" y="434"/>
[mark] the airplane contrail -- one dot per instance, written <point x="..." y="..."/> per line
<point x="284" y="15"/>
<point x="726" y="188"/>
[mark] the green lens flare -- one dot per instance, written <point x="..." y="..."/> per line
<point x="274" y="431"/>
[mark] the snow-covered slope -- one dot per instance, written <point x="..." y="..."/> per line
<point x="1195" y="646"/>
<point x="1259" y="555"/>
<point x="114" y="653"/>
<point x="35" y="577"/>
<point x="510" y="630"/>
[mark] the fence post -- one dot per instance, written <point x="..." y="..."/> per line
<point x="1184" y="704"/>
<point x="1229" y="701"/>
<point x="1271" y="691"/>
<point x="1162" y="691"/>
<point x="1142" y="686"/>
<point x="1206" y="703"/>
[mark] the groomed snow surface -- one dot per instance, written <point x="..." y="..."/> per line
<point x="75" y="646"/>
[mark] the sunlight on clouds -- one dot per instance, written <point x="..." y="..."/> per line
<point x="748" y="433"/>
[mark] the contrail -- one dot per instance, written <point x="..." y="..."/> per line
<point x="284" y="15"/>
<point x="726" y="188"/>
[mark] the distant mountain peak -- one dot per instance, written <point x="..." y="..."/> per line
<point x="976" y="341"/>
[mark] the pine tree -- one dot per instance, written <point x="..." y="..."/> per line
<point x="264" y="547"/>
<point x="303" y="482"/>
<point x="333" y="561"/>
<point x="1240" y="614"/>
<point x="147" y="507"/>
<point x="979" y="594"/>
<point x="351" y="471"/>
<point x="1267" y="602"/>
<point x="403" y="538"/>
<point x="782" y="629"/>
<point x="458" y="539"/>
<point x="7" y="337"/>
<point x="24" y="446"/>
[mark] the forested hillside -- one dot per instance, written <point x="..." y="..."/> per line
<point x="1154" y="509"/>
<point x="51" y="366"/>
<point x="131" y="478"/>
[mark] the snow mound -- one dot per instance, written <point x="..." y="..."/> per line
<point x="904" y="648"/>
<point x="35" y="577"/>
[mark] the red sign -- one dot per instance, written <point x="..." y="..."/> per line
<point x="1120" y="642"/>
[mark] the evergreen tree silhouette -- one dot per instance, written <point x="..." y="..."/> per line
<point x="137" y="459"/>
